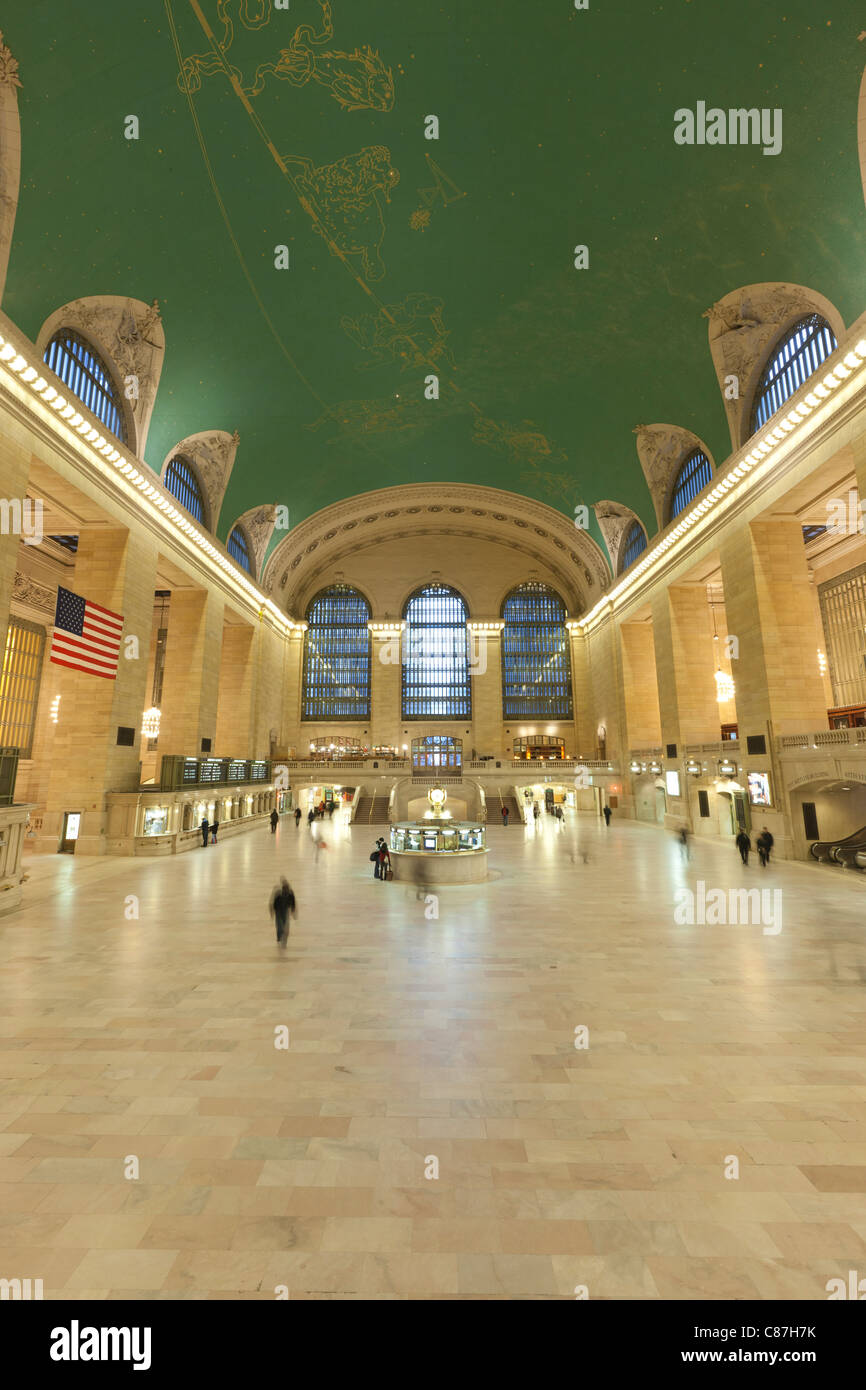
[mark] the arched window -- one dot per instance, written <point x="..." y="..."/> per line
<point x="437" y="750"/>
<point x="692" y="478"/>
<point x="239" y="549"/>
<point x="635" y="544"/>
<point x="436" y="655"/>
<point x="337" y="656"/>
<point x="800" y="353"/>
<point x="83" y="371"/>
<point x="184" y="485"/>
<point x="536" y="665"/>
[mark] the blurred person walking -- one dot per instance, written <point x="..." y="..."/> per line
<point x="297" y="816"/>
<point x="607" y="815"/>
<point x="282" y="906"/>
<point x="274" y="819"/>
<point x="744" y="845"/>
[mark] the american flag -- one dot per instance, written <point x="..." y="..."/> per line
<point x="86" y="635"/>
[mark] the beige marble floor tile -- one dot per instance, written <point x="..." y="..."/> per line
<point x="557" y="1168"/>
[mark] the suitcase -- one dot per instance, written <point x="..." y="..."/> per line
<point x="389" y="874"/>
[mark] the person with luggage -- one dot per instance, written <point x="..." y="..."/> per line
<point x="384" y="861"/>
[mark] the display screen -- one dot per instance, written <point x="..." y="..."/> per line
<point x="759" y="789"/>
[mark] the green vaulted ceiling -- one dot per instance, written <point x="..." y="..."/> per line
<point x="556" y="129"/>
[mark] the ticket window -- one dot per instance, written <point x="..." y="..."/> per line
<point x="71" y="831"/>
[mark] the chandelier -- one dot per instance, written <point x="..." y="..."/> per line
<point x="150" y="722"/>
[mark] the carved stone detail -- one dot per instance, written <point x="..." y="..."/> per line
<point x="26" y="590"/>
<point x="8" y="66"/>
<point x="10" y="154"/>
<point x="744" y="327"/>
<point x="128" y="333"/>
<point x="212" y="453"/>
<point x="614" y="520"/>
<point x="661" y="449"/>
<point x="258" y="526"/>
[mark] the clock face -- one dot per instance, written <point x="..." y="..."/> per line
<point x="437" y="796"/>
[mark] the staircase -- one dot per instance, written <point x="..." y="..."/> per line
<point x="372" y="810"/>
<point x="514" y="817"/>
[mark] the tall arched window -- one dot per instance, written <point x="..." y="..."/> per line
<point x="800" y="353"/>
<point x="536" y="665"/>
<point x="337" y="656"/>
<point x="436" y="655"/>
<point x="238" y="547"/>
<point x="184" y="485"/>
<point x="635" y="544"/>
<point x="83" y="371"/>
<point x="695" y="473"/>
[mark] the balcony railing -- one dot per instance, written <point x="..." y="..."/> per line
<point x="824" y="738"/>
<point x="716" y="750"/>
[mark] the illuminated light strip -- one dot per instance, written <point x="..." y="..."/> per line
<point x="17" y="363"/>
<point x="814" y="398"/>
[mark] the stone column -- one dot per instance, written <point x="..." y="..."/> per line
<point x="115" y="568"/>
<point x="386" y="685"/>
<point x="770" y="611"/>
<point x="293" y="730"/>
<point x="14" y="474"/>
<point x="192" y="668"/>
<point x="235" y="696"/>
<point x="640" y="690"/>
<point x="485" y="675"/>
<point x="581" y="689"/>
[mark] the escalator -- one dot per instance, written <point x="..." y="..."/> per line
<point x="850" y="852"/>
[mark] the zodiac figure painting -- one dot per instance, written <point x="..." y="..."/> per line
<point x="343" y="200"/>
<point x="411" y="333"/>
<point x="384" y="416"/>
<point x="527" y="445"/>
<point x="358" y="81"/>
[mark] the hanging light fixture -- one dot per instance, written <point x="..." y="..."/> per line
<point x="150" y="722"/>
<point x="725" y="688"/>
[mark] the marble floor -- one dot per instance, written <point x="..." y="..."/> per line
<point x="432" y="1130"/>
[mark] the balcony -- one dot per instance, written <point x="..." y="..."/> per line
<point x="824" y="738"/>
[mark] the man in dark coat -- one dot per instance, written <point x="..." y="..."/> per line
<point x="204" y="828"/>
<point x="744" y="845"/>
<point x="282" y="906"/>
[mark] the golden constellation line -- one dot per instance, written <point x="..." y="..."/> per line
<point x="358" y="81"/>
<point x="411" y="333"/>
<point x="444" y="188"/>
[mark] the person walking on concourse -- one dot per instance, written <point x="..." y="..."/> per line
<point x="204" y="828"/>
<point x="744" y="844"/>
<point x="274" y="819"/>
<point x="282" y="906"/>
<point x="607" y="815"/>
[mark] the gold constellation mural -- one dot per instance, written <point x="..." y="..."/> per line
<point x="358" y="81"/>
